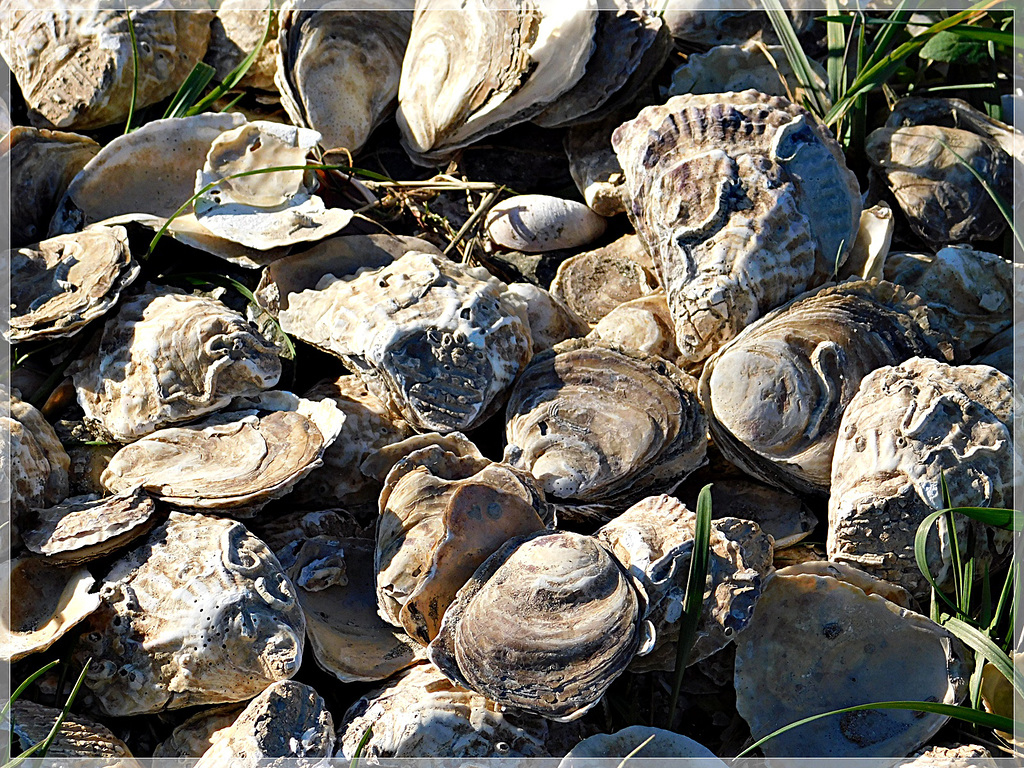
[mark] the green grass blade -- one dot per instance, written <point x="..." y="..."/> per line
<point x="897" y="21"/>
<point x="836" y="38"/>
<point x="997" y="36"/>
<point x="981" y="643"/>
<point x="693" y="601"/>
<point x="135" y="71"/>
<point x="974" y="688"/>
<point x="44" y="746"/>
<point x="920" y="554"/>
<point x="363" y="741"/>
<point x="954" y="544"/>
<point x="968" y="715"/>
<point x="28" y="681"/>
<point x="234" y="101"/>
<point x="798" y="61"/>
<point x="190" y="90"/>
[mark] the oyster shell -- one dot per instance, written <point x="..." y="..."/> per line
<point x="62" y="284"/>
<point x="237" y="29"/>
<point x="637" y="741"/>
<point x="539" y="223"/>
<point x="594" y="166"/>
<point x="75" y="65"/>
<point x="285" y="722"/>
<point x="199" y="613"/>
<point x="441" y="515"/>
<point x="327" y="49"/>
<point x="810" y="632"/>
<point x="998" y="353"/>
<point x="907" y="427"/>
<point x="743" y="199"/>
<point x="237" y="460"/>
<point x="199" y="732"/>
<point x="643" y="324"/>
<point x="775" y="394"/>
<point x="40" y="604"/>
<point x="42" y="165"/>
<point x="604" y="427"/>
<point x="865" y="582"/>
<point x="78" y="737"/>
<point x="778" y="513"/>
<point x="573" y="612"/>
<point x="438" y="342"/>
<point x="551" y="321"/>
<point x="169" y="357"/>
<point x="874" y="236"/>
<point x="293" y="528"/>
<point x="35" y="468"/>
<point x="962" y="756"/>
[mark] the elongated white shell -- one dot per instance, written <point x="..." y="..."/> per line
<point x="538" y="223"/>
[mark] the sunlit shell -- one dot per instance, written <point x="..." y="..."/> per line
<point x="442" y="515"/>
<point x="643" y="324"/>
<point x="603" y="426"/>
<point x="865" y="582"/>
<point x="285" y="722"/>
<point x="999" y="696"/>
<point x="76" y="65"/>
<point x="438" y="342"/>
<point x="60" y="285"/>
<point x="811" y="632"/>
<point x="551" y="321"/>
<point x="39" y="603"/>
<point x="35" y="468"/>
<point x="237" y="460"/>
<point x="653" y="540"/>
<point x="169" y="357"/>
<point x="338" y="68"/>
<point x="200" y="613"/>
<point x="970" y="291"/>
<point x="84" y="528"/>
<point x="150" y="170"/>
<point x="539" y="223"/>
<point x="964" y="756"/>
<point x="199" y="732"/>
<point x="453" y="91"/>
<point x="908" y="427"/>
<point x="640" y="742"/>
<point x="78" y="737"/>
<point x="456" y="443"/>
<point x="334" y="581"/>
<point x="422" y="714"/>
<point x="237" y="29"/>
<point x="743" y="199"/>
<point x="870" y="249"/>
<point x="42" y="165"/>
<point x="545" y="625"/>
<point x="594" y="166"/>
<point x="775" y="394"/>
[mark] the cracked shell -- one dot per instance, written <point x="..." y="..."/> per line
<point x="907" y="427"/>
<point x="234" y="460"/>
<point x="200" y="613"/>
<point x="78" y="737"/>
<point x="573" y="611"/>
<point x="62" y="284"/>
<point x="775" y="395"/>
<point x="169" y="357"/>
<point x="744" y="200"/>
<point x="810" y="631"/>
<point x="438" y="342"/>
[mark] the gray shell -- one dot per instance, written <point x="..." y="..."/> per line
<point x="641" y="742"/>
<point x="907" y="426"/>
<point x="743" y="199"/>
<point x="775" y="394"/>
<point x="200" y="613"/>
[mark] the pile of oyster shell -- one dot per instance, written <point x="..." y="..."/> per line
<point x="287" y="465"/>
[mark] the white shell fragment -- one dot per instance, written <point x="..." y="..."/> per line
<point x="874" y="236"/>
<point x="237" y="460"/>
<point x="62" y="284"/>
<point x="539" y="223"/>
<point x="285" y="722"/>
<point x="438" y="342"/>
<point x="743" y="199"/>
<point x="818" y="644"/>
<point x="40" y="604"/>
<point x="199" y="613"/>
<point x="639" y="742"/>
<point x="908" y="426"/>
<point x="265" y="210"/>
<point x="169" y="357"/>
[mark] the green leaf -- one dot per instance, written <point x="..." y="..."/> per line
<point x="693" y="600"/>
<point x="135" y="71"/>
<point x="983" y="644"/>
<point x="836" y="38"/>
<point x="948" y="46"/>
<point x="43" y="746"/>
<point x="190" y="90"/>
<point x="367" y="735"/>
<point x="985" y="34"/>
<point x="798" y="61"/>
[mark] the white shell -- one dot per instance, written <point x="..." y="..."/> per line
<point x="539" y="223"/>
<point x="874" y="236"/>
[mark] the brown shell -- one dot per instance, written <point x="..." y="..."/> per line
<point x="78" y="737"/>
<point x="35" y="469"/>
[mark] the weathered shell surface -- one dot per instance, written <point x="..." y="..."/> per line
<point x="60" y="285"/>
<point x="287" y="721"/>
<point x="964" y="756"/>
<point x="40" y="603"/>
<point x="551" y="321"/>
<point x="78" y="737"/>
<point x="810" y="632"/>
<point x="545" y="625"/>
<point x="637" y="741"/>
<point x="35" y="469"/>
<point x="338" y="69"/>
<point x="422" y="714"/>
<point x="907" y="426"/>
<point x="442" y="515"/>
<point x="603" y="426"/>
<point x="594" y="166"/>
<point x="334" y="581"/>
<point x="169" y="357"/>
<point x="865" y="582"/>
<point x="438" y="342"/>
<point x="200" y="613"/>
<point x="970" y="291"/>
<point x="998" y="353"/>
<point x="874" y="236"/>
<point x="539" y="223"/>
<point x="775" y="394"/>
<point x="592" y="284"/>
<point x="236" y="30"/>
<point x="453" y="91"/>
<point x="75" y="64"/>
<point x="42" y="165"/>
<point x="743" y="199"/>
<point x="265" y="210"/>
<point x="199" y="732"/>
<point x="456" y="443"/>
<point x="643" y="324"/>
<point x="293" y="528"/>
<point x="84" y="528"/>
<point x="707" y="22"/>
<point x="150" y="170"/>
<point x="653" y="540"/>
<point x="778" y="513"/>
<point x="236" y="460"/>
<point x="943" y="200"/>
